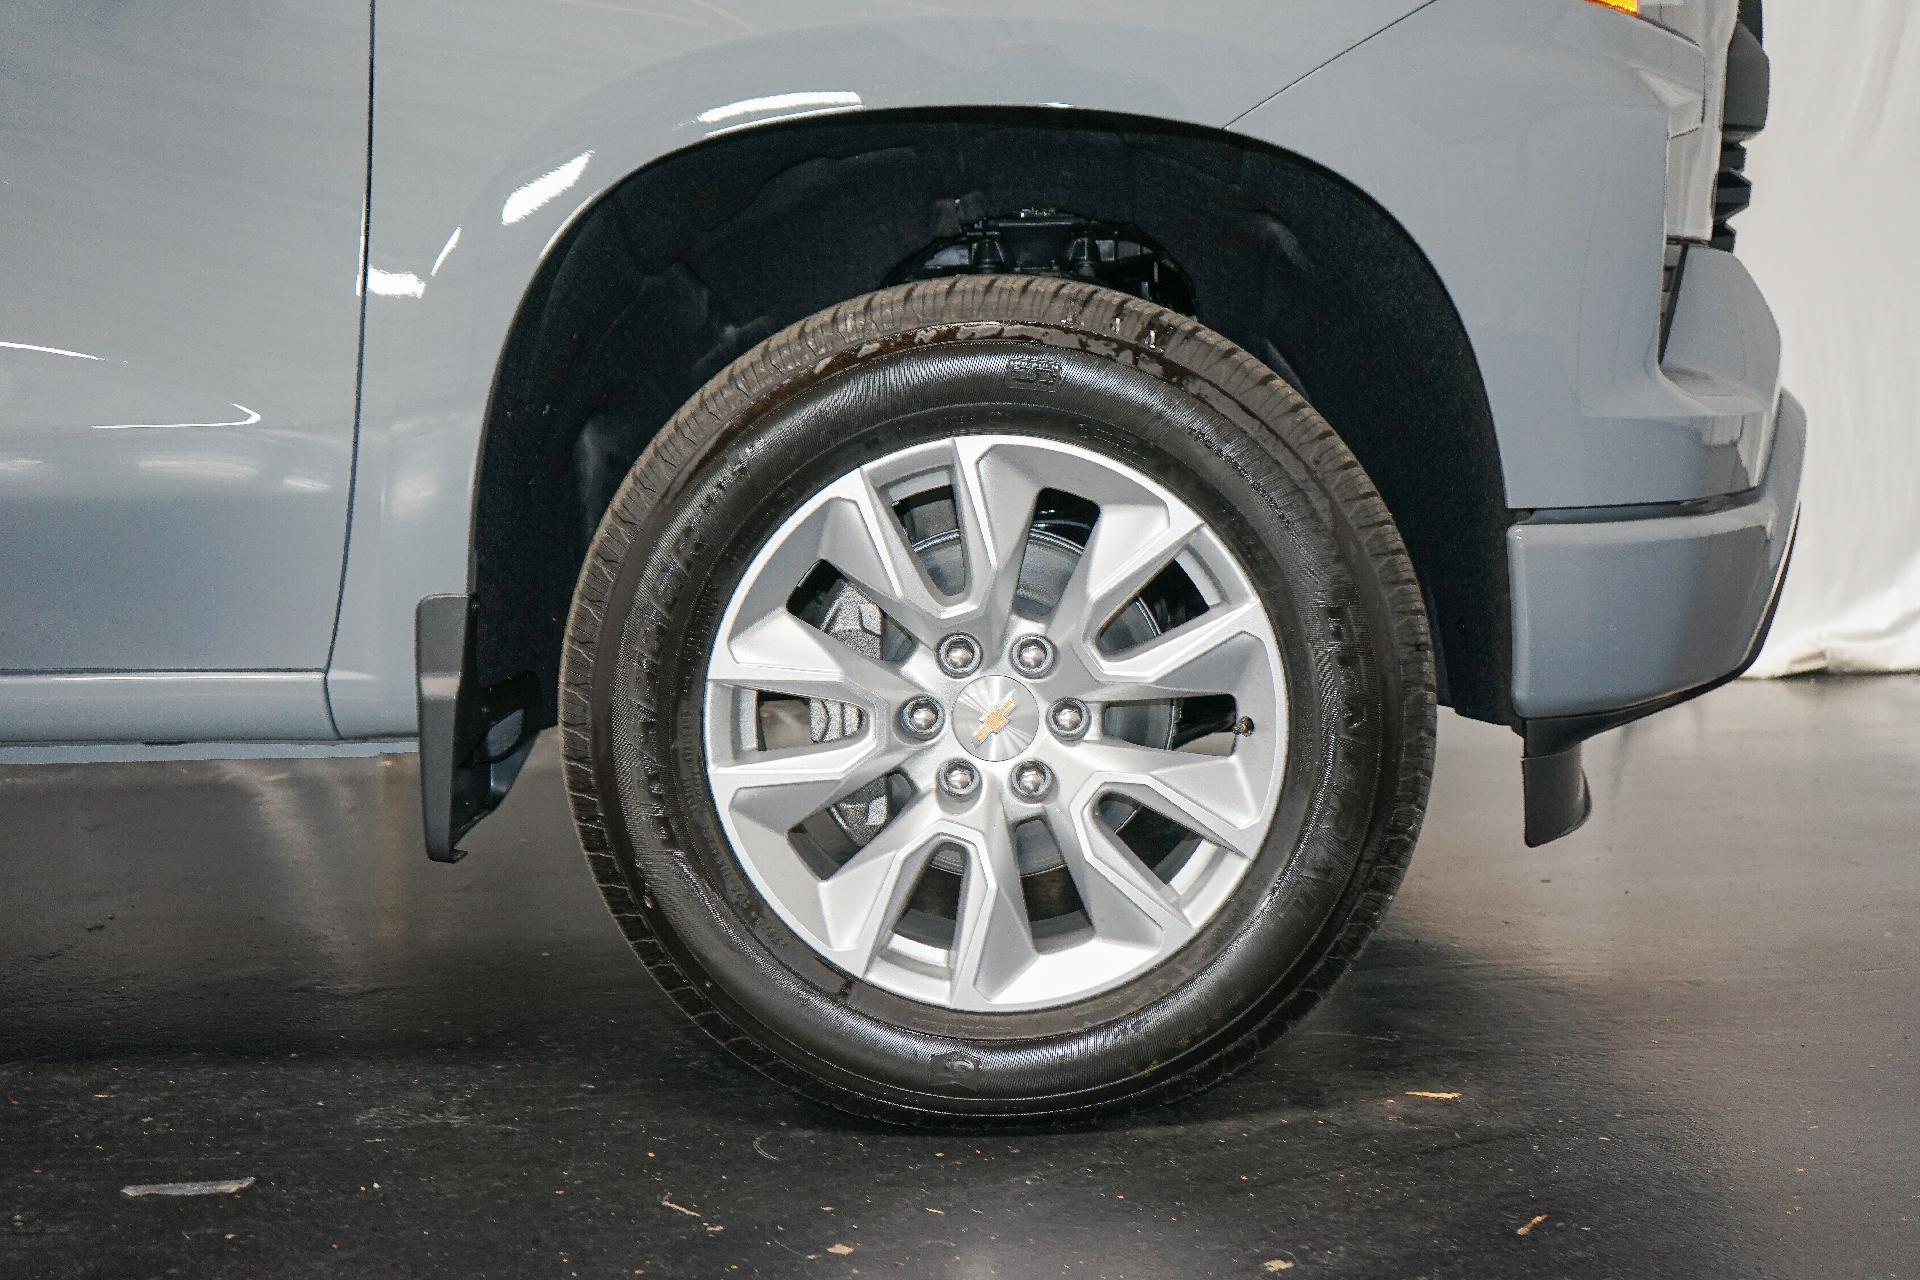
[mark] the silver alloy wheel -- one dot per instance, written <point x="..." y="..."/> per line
<point x="863" y="907"/>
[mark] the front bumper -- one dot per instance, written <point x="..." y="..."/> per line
<point x="1611" y="614"/>
<point x="1617" y="618"/>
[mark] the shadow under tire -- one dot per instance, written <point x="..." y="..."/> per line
<point x="1092" y="374"/>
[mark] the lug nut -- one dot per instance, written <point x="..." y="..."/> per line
<point x="1068" y="717"/>
<point x="1033" y="655"/>
<point x="959" y="779"/>
<point x="921" y="717"/>
<point x="959" y="654"/>
<point x="1032" y="780"/>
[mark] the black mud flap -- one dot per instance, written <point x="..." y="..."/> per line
<point x="472" y="741"/>
<point x="1557" y="800"/>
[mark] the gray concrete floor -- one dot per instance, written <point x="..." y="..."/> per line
<point x="1683" y="1044"/>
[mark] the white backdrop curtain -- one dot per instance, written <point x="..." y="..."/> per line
<point x="1834" y="238"/>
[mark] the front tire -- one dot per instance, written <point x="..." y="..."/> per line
<point x="997" y="697"/>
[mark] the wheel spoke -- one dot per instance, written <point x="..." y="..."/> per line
<point x="782" y="654"/>
<point x="860" y="902"/>
<point x="864" y="540"/>
<point x="1126" y="902"/>
<point x="1223" y="651"/>
<point x="777" y="790"/>
<point x="1211" y="796"/>
<point x="994" y="491"/>
<point x="993" y="936"/>
<point x="1130" y="545"/>
<point x="852" y="528"/>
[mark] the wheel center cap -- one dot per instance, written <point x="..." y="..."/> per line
<point x="995" y="718"/>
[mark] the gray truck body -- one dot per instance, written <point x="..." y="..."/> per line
<point x="262" y="272"/>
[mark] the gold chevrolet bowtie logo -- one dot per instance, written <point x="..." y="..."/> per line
<point x="994" y="721"/>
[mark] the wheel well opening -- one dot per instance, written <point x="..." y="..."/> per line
<point x="693" y="260"/>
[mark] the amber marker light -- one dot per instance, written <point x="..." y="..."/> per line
<point x="1624" y="6"/>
